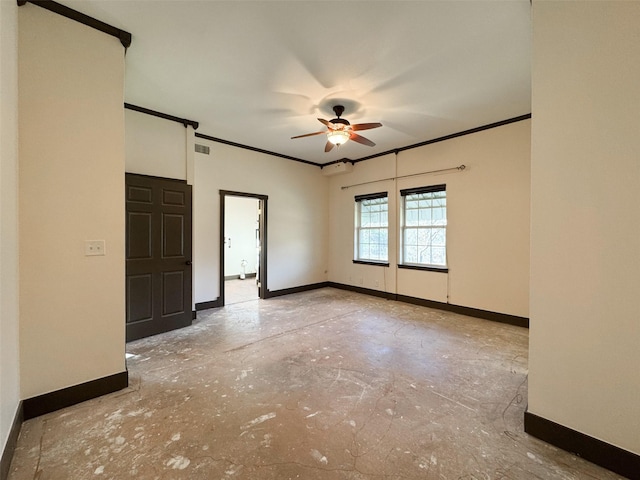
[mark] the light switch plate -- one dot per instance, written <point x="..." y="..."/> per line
<point x="94" y="247"/>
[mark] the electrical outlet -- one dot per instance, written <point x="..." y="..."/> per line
<point x="377" y="283"/>
<point x="94" y="248"/>
<point x="361" y="281"/>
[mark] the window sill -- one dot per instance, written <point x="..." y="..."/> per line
<point x="371" y="262"/>
<point x="425" y="268"/>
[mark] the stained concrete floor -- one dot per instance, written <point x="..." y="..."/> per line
<point x="238" y="291"/>
<point x="325" y="384"/>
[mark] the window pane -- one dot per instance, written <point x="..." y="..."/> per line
<point x="411" y="202"/>
<point x="411" y="218"/>
<point x="424" y="217"/>
<point x="438" y="237"/>
<point x="425" y="255"/>
<point x="411" y="236"/>
<point x="439" y="217"/>
<point x="411" y="254"/>
<point x="438" y="256"/>
<point x="423" y="236"/>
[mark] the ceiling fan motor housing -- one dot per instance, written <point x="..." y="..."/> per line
<point x="340" y="120"/>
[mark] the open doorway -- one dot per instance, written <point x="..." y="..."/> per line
<point x="243" y="252"/>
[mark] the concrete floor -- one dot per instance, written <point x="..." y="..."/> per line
<point x="325" y="384"/>
<point x="238" y="291"/>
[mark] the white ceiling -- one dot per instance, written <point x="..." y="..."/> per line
<point x="260" y="72"/>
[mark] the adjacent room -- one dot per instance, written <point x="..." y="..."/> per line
<point x="281" y="239"/>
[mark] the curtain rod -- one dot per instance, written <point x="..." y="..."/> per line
<point x="459" y="168"/>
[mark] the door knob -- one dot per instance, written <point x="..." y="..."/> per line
<point x="188" y="262"/>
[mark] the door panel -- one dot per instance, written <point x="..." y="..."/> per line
<point x="172" y="301"/>
<point x="139" y="235"/>
<point x="139" y="194"/>
<point x="172" y="197"/>
<point x="158" y="255"/>
<point x="139" y="287"/>
<point x="172" y="239"/>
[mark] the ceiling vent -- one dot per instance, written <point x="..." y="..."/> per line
<point x="202" y="149"/>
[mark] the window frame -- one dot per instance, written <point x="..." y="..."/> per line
<point x="359" y="199"/>
<point x="403" y="226"/>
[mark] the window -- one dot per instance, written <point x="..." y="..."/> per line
<point x="372" y="228"/>
<point x="424" y="227"/>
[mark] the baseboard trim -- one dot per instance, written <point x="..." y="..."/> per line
<point x="468" y="311"/>
<point x="12" y="441"/>
<point x="302" y="288"/>
<point x="207" y="305"/>
<point x="364" y="291"/>
<point x="50" y="402"/>
<point x="596" y="451"/>
<point x="237" y="277"/>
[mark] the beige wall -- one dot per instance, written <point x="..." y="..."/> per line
<point x="297" y="215"/>
<point x="71" y="189"/>
<point x="585" y="225"/>
<point x="488" y="220"/>
<point x="9" y="365"/>
<point x="155" y="146"/>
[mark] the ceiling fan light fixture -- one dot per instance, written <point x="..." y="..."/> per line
<point x="338" y="137"/>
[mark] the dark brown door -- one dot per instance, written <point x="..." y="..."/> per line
<point x="158" y="255"/>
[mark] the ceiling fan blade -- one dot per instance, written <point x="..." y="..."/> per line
<point x="326" y="122"/>
<point x="360" y="139"/>
<point x="365" y="126"/>
<point x="307" y="135"/>
<point x="328" y="146"/>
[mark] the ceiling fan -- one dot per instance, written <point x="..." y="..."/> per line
<point x="340" y="131"/>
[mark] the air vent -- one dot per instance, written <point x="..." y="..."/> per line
<point x="202" y="149"/>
